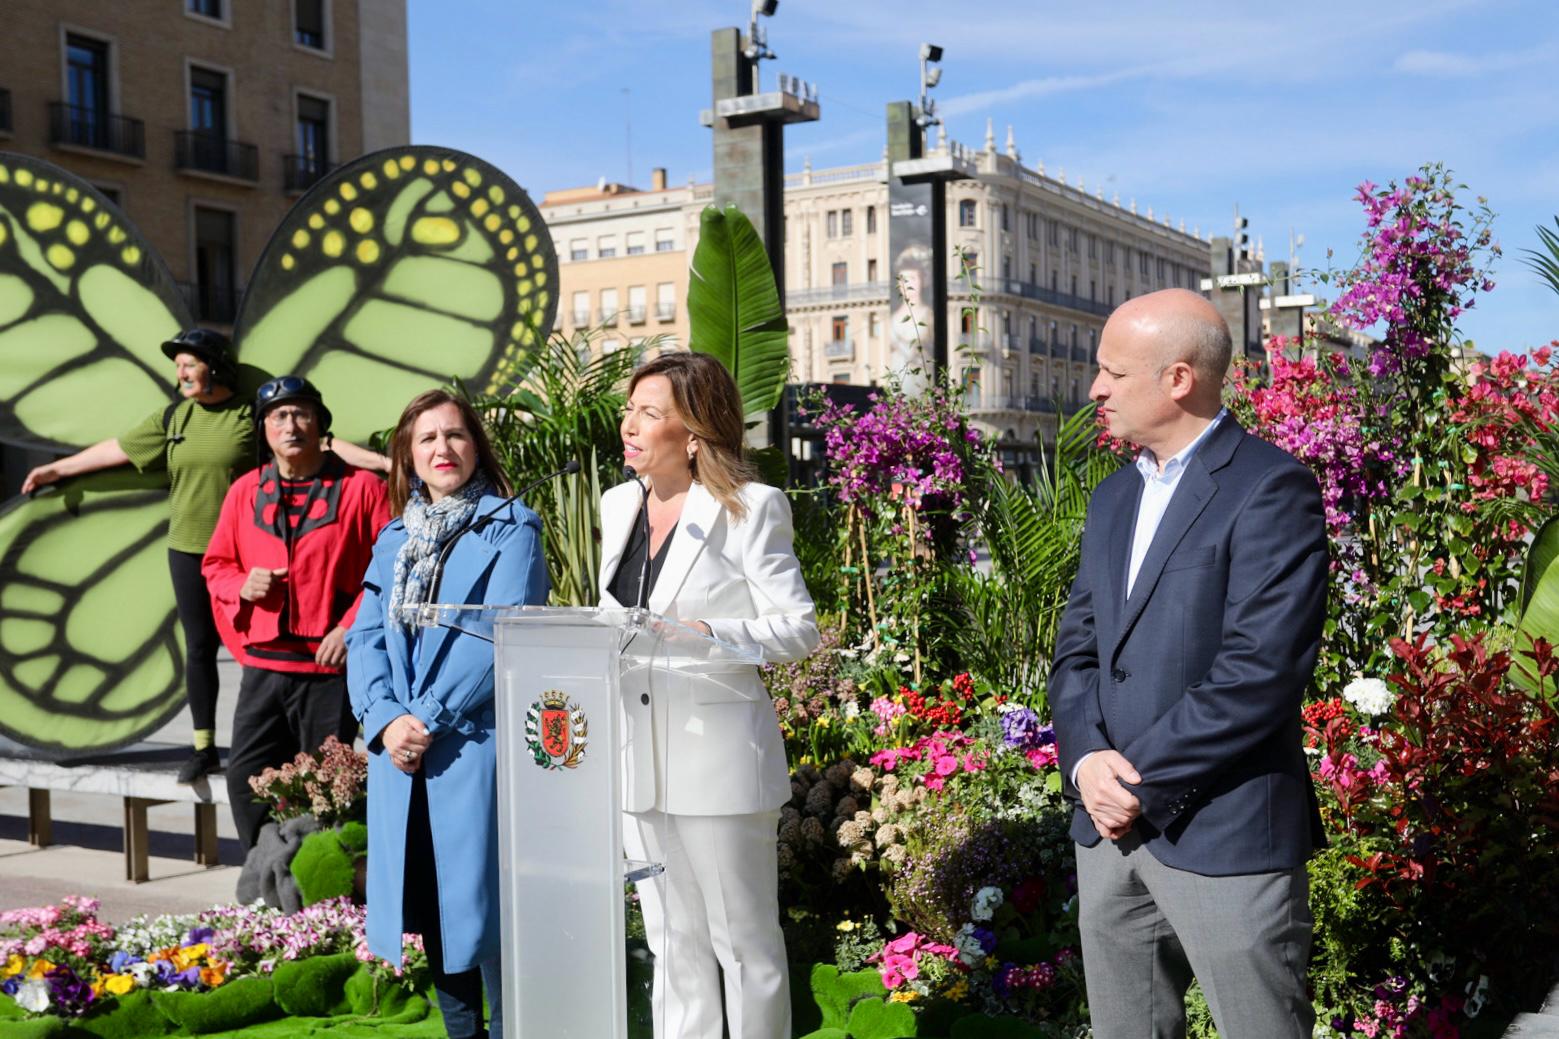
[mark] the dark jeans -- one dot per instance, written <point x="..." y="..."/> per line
<point x="459" y="995"/>
<point x="193" y="602"/>
<point x="279" y="714"/>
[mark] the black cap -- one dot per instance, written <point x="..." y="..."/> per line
<point x="285" y="388"/>
<point x="210" y="346"/>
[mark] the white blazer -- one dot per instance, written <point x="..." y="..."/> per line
<point x="710" y="744"/>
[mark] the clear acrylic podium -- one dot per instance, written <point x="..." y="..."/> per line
<point x="560" y="675"/>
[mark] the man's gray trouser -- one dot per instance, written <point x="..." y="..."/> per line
<point x="1147" y="928"/>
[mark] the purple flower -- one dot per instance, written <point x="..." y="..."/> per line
<point x="1021" y="729"/>
<point x="69" y="993"/>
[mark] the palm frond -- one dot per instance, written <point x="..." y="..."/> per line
<point x="1546" y="262"/>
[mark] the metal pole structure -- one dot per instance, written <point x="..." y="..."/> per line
<point x="749" y="147"/>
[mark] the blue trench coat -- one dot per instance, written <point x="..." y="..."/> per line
<point x="451" y="690"/>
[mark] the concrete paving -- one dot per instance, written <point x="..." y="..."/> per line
<point x="86" y="858"/>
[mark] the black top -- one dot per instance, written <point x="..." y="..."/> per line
<point x="624" y="585"/>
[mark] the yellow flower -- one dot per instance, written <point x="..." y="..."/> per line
<point x="118" y="984"/>
<point x="13" y="965"/>
<point x="39" y="968"/>
<point x="190" y="956"/>
<point x="958" y="990"/>
<point x="845" y="925"/>
<point x="213" y="975"/>
<point x="904" y="996"/>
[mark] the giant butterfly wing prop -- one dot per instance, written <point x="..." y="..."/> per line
<point x="88" y="653"/>
<point x="395" y="273"/>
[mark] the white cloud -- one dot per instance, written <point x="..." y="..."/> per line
<point x="1449" y="64"/>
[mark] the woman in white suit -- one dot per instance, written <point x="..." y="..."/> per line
<point x="704" y="762"/>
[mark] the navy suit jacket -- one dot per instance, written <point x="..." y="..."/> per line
<point x="1198" y="677"/>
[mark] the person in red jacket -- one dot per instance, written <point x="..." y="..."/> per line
<point x="285" y="570"/>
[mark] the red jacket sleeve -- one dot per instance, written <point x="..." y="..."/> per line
<point x="222" y="569"/>
<point x="371" y="519"/>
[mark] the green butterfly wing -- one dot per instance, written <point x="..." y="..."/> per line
<point x="397" y="273"/>
<point x="85" y="304"/>
<point x="90" y="657"/>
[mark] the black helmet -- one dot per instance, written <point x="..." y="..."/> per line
<point x="210" y="346"/>
<point x="285" y="388"/>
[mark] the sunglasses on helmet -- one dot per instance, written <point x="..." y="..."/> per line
<point x="278" y="387"/>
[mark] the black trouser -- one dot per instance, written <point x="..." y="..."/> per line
<point x="193" y="601"/>
<point x="459" y="995"/>
<point x="279" y="714"/>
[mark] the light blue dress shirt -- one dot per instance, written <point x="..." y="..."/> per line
<point x="1157" y="489"/>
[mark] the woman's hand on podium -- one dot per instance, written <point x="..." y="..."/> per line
<point x="406" y="739"/>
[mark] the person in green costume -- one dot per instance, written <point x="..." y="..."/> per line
<point x="204" y="441"/>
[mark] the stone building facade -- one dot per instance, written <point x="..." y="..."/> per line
<point x="203" y="119"/>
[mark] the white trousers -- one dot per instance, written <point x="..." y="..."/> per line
<point x="716" y="908"/>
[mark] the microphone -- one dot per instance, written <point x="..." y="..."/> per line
<point x="443" y="557"/>
<point x="644" y="516"/>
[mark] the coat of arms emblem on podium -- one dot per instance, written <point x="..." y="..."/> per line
<point x="556" y="731"/>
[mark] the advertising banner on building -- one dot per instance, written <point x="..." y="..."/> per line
<point x="912" y="301"/>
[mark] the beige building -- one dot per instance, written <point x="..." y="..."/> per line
<point x="203" y="119"/>
<point x="1044" y="261"/>
<point x="623" y="257"/>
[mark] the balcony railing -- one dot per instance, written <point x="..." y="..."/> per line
<point x="1029" y="290"/>
<point x="301" y="172"/>
<point x="992" y="402"/>
<point x="214" y="303"/>
<point x="1037" y="345"/>
<point x="861" y="290"/>
<point x="637" y="314"/>
<point x="5" y="110"/>
<point x="86" y="127"/>
<point x="665" y="311"/>
<point x="206" y="153"/>
<point x="839" y="350"/>
<point x="609" y="315"/>
<point x="581" y="319"/>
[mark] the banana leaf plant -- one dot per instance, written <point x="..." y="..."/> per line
<point x="734" y="309"/>
<point x="1539" y="618"/>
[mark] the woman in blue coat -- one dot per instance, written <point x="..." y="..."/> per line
<point x="424" y="697"/>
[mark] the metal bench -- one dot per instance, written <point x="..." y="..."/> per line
<point x="142" y="775"/>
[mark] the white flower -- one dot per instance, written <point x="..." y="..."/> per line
<point x="1370" y="695"/>
<point x="143" y="973"/>
<point x="852" y="709"/>
<point x="1475" y="999"/>
<point x="33" y="995"/>
<point x="986" y="901"/>
<point x="970" y="951"/>
<point x="901" y="657"/>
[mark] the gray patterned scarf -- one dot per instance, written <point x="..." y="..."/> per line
<point x="428" y="527"/>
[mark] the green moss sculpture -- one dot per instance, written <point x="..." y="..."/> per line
<point x="315" y="986"/>
<point x="132" y="1016"/>
<point x="323" y="867"/>
<point x="236" y="1004"/>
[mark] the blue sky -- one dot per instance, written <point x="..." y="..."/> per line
<point x="1189" y="108"/>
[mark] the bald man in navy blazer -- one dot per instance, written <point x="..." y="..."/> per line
<point x="1181" y="664"/>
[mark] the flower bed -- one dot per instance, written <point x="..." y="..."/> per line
<point x="253" y="962"/>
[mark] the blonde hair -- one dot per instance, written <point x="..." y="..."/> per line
<point x="710" y="406"/>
